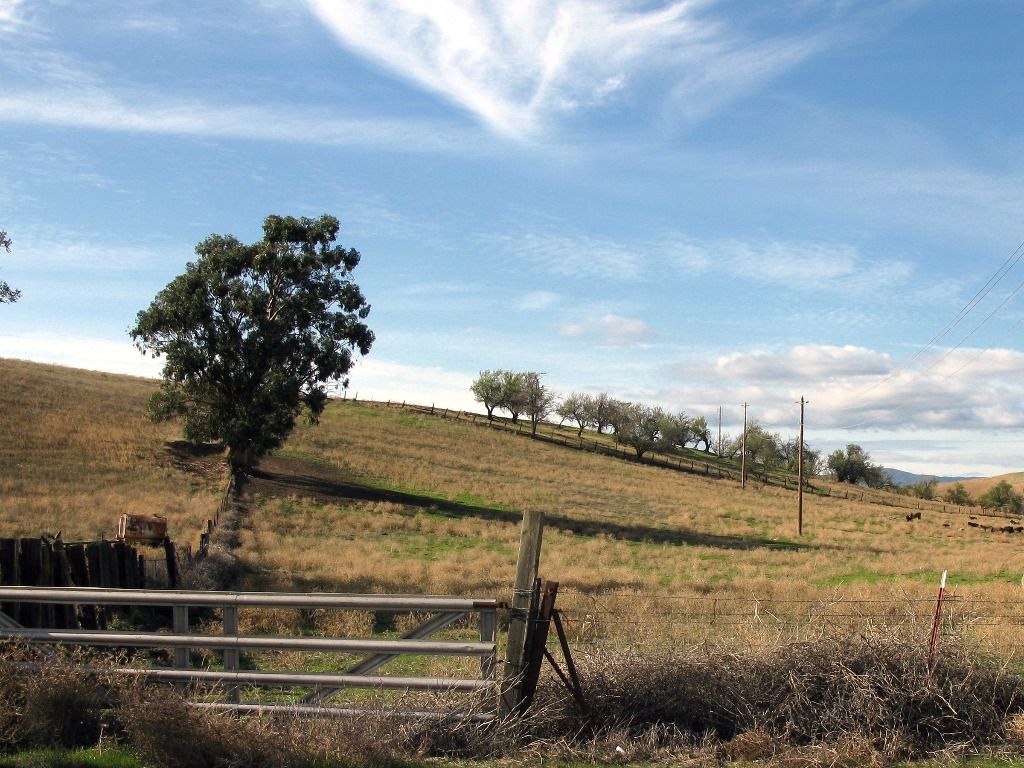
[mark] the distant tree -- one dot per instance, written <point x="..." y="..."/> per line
<point x="251" y="334"/>
<point x="487" y="389"/>
<point x="958" y="494"/>
<point x="538" y="400"/>
<point x="578" y="407"/>
<point x="729" y="447"/>
<point x="614" y="409"/>
<point x="674" y="432"/>
<point x="763" y="447"/>
<point x="7" y="294"/>
<point x="1002" y="496"/>
<point x="700" y="433"/>
<point x="639" y="426"/>
<point x="854" y="466"/>
<point x="923" y="489"/>
<point x="789" y="451"/>
<point x="513" y="393"/>
<point x="602" y="411"/>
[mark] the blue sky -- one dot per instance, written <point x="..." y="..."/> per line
<point x="692" y="204"/>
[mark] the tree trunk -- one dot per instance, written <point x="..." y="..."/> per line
<point x="242" y="458"/>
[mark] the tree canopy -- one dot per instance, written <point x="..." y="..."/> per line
<point x="8" y="295"/>
<point x="958" y="494"/>
<point x="639" y="426"/>
<point x="538" y="400"/>
<point x="1002" y="496"/>
<point x="854" y="466"/>
<point x="578" y="407"/>
<point x="252" y="334"/>
<point x="487" y="389"/>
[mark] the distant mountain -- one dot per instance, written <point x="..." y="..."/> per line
<point x="899" y="477"/>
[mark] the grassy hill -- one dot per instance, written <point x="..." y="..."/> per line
<point x="436" y="503"/>
<point x="978" y="485"/>
<point x="76" y="451"/>
<point x="378" y="498"/>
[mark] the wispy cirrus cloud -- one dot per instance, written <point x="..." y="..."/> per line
<point x="100" y="109"/>
<point x="803" y="266"/>
<point x="577" y="256"/>
<point x="537" y="300"/>
<point x="518" y="65"/>
<point x="819" y="265"/>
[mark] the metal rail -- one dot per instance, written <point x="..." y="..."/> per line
<point x="444" y="611"/>
<point x="221" y="642"/>
<point x="342" y="601"/>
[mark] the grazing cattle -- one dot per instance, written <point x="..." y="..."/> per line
<point x="913" y="516"/>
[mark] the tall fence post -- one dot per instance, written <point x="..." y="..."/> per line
<point x="537" y="644"/>
<point x="519" y="619"/>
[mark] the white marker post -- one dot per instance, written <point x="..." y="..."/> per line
<point x="933" y="643"/>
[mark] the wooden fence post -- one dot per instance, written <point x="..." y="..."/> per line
<point x="172" y="562"/>
<point x="519" y="620"/>
<point x="62" y="578"/>
<point x="10" y="574"/>
<point x="94" y="557"/>
<point x="537" y="642"/>
<point x="31" y="554"/>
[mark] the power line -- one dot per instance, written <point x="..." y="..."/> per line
<point x="984" y="291"/>
<point x="1011" y="261"/>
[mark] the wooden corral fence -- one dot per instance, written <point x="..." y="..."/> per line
<point x="51" y="562"/>
<point x="183" y="638"/>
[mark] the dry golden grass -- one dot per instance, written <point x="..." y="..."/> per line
<point x="432" y="505"/>
<point x="76" y="451"/>
<point x="379" y="499"/>
<point x="980" y="485"/>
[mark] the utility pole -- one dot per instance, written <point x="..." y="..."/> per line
<point x="718" y="448"/>
<point x="800" y="475"/>
<point x="743" y="451"/>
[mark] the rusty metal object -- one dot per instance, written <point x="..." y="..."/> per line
<point x="141" y="529"/>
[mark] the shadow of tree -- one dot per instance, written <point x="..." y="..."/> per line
<point x="277" y="476"/>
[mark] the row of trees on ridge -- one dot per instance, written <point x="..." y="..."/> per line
<point x="645" y="428"/>
<point x="640" y="426"/>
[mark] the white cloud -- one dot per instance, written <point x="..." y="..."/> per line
<point x="518" y="65"/>
<point x="377" y="379"/>
<point x="99" y="109"/>
<point x="613" y="330"/>
<point x="855" y="390"/>
<point x="802" y="363"/>
<point x="91" y="353"/>
<point x="10" y="13"/>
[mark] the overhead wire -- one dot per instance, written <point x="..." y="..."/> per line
<point x="997" y="277"/>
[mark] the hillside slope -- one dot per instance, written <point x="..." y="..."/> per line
<point x="378" y="498"/>
<point x="978" y="485"/>
<point x="76" y="451"/>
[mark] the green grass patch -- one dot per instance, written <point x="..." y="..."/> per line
<point x="78" y="758"/>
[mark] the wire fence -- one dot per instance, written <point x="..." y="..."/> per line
<point x="635" y="620"/>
